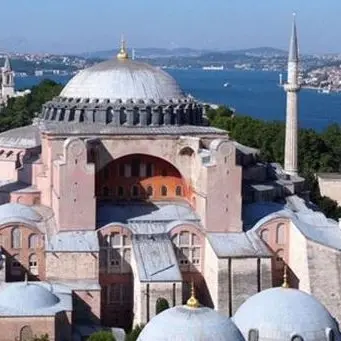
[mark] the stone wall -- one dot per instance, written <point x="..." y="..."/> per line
<point x="71" y="265"/>
<point x="12" y="327"/>
<point x="324" y="266"/>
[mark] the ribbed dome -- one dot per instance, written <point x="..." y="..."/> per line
<point x="27" y="297"/>
<point x="122" y="79"/>
<point x="281" y="313"/>
<point x="190" y="324"/>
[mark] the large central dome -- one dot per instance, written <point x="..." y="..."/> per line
<point x="123" y="79"/>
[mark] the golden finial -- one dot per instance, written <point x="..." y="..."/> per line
<point x="192" y="302"/>
<point x="285" y="277"/>
<point x="122" y="53"/>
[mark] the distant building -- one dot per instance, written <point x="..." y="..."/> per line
<point x="8" y="84"/>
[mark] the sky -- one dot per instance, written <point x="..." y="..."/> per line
<point x="75" y="26"/>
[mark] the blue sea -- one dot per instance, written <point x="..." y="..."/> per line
<point x="253" y="93"/>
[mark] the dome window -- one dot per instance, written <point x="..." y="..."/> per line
<point x="149" y="191"/>
<point x="330" y="335"/>
<point x="178" y="191"/>
<point x="135" y="191"/>
<point x="297" y="338"/>
<point x="253" y="335"/>
<point x="164" y="191"/>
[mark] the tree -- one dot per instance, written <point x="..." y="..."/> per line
<point x="134" y="334"/>
<point x="44" y="337"/>
<point x="316" y="152"/>
<point x="102" y="336"/>
<point x="161" y="305"/>
<point x="20" y="111"/>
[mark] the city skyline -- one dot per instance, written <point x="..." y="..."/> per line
<point x="83" y="26"/>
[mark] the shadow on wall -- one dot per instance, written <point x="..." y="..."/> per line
<point x="82" y="312"/>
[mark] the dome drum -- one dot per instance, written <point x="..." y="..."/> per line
<point x="130" y="113"/>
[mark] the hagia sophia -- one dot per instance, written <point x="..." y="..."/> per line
<point x="120" y="194"/>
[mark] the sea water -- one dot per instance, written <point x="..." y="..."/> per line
<point x="253" y="93"/>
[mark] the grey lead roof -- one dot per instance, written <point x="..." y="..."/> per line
<point x="87" y="128"/>
<point x="23" y="137"/>
<point x="311" y="223"/>
<point x="155" y="258"/>
<point x="238" y="245"/>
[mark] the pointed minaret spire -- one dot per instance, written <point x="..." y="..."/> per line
<point x="292" y="87"/>
<point x="7" y="65"/>
<point x="293" y="48"/>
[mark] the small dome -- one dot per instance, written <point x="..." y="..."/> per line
<point x="282" y="313"/>
<point x="122" y="79"/>
<point x="183" y="323"/>
<point x="27" y="297"/>
<point x="13" y="211"/>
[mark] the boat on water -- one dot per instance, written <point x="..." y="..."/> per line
<point x="226" y="85"/>
<point x="213" y="68"/>
<point x="324" y="90"/>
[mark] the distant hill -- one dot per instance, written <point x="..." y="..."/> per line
<point x="153" y="52"/>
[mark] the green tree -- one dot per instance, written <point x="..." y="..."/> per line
<point x="134" y="334"/>
<point x="161" y="305"/>
<point x="102" y="336"/>
<point x="20" y="111"/>
<point x="44" y="337"/>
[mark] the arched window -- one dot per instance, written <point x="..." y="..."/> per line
<point x="26" y="334"/>
<point x="16" y="238"/>
<point x="164" y="191"/>
<point x="178" y="191"/>
<point x="279" y="259"/>
<point x="280" y="234"/>
<point x="297" y="338"/>
<point x="149" y="191"/>
<point x="253" y="335"/>
<point x="72" y="115"/>
<point x="161" y="305"/>
<point x="135" y="191"/>
<point x="33" y="264"/>
<point x="330" y="334"/>
<point x="33" y="240"/>
<point x="188" y="249"/>
<point x="265" y="235"/>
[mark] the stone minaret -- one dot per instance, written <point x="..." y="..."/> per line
<point x="7" y="88"/>
<point x="292" y="87"/>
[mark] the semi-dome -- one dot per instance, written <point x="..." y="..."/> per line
<point x="285" y="314"/>
<point x="27" y="297"/>
<point x="122" y="79"/>
<point x="190" y="323"/>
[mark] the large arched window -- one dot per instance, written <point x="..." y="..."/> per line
<point x="26" y="334"/>
<point x="188" y="250"/>
<point x="116" y="254"/>
<point x="265" y="235"/>
<point x="253" y="335"/>
<point x="33" y="241"/>
<point x="280" y="234"/>
<point x="33" y="264"/>
<point x="16" y="238"/>
<point x="297" y="338"/>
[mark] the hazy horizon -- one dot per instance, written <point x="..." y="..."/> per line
<point x="83" y="26"/>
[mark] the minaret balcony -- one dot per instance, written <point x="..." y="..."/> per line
<point x="292" y="87"/>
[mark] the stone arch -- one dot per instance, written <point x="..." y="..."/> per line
<point x="33" y="264"/>
<point x="122" y="116"/>
<point x="109" y="115"/>
<point x="16" y="238"/>
<point x="264" y="235"/>
<point x="26" y="333"/>
<point x="186" y="151"/>
<point x="280" y="234"/>
<point x="161" y="304"/>
<point x="33" y="241"/>
<point x="62" y="114"/>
